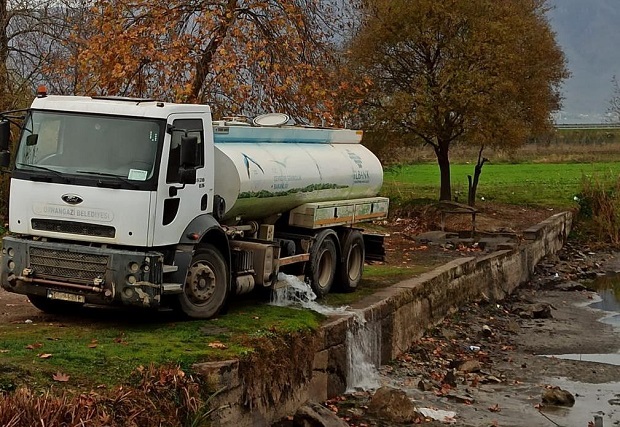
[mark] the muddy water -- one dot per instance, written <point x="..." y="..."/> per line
<point x="590" y="400"/>
<point x="608" y="288"/>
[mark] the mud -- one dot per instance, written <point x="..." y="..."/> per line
<point x="512" y="357"/>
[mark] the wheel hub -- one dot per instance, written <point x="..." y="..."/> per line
<point x="200" y="282"/>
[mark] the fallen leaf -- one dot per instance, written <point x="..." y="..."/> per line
<point x="45" y="356"/>
<point x="4" y="351"/>
<point x="93" y="344"/>
<point x="59" y="376"/>
<point x="33" y="346"/>
<point x="495" y="408"/>
<point x="217" y="344"/>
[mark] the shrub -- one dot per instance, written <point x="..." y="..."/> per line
<point x="599" y="202"/>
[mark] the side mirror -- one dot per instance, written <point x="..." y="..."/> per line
<point x="5" y="135"/>
<point x="189" y="152"/>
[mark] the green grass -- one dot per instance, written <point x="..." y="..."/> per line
<point x="104" y="347"/>
<point x="375" y="277"/>
<point x="530" y="184"/>
<point x="97" y="350"/>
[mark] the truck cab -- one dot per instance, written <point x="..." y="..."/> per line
<point x="114" y="201"/>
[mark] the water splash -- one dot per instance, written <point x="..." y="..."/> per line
<point x="363" y="339"/>
<point x="363" y="354"/>
<point x="299" y="293"/>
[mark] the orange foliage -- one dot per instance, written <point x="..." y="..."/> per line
<point x="240" y="56"/>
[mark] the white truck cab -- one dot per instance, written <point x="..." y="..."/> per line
<point x="141" y="202"/>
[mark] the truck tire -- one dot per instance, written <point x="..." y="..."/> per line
<point x="54" y="306"/>
<point x="322" y="265"/>
<point x="206" y="284"/>
<point x="350" y="270"/>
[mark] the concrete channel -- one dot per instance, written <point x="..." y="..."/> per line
<point x="401" y="314"/>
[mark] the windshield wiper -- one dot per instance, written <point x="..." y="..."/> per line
<point x="43" y="168"/>
<point x="111" y="175"/>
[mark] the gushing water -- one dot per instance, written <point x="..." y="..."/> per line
<point x="363" y="338"/>
<point x="363" y="354"/>
<point x="299" y="293"/>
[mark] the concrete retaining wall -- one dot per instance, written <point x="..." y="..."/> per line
<point x="402" y="311"/>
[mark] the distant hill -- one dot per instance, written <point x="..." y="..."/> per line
<point x="588" y="31"/>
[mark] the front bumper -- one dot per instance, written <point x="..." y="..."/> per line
<point x="100" y="275"/>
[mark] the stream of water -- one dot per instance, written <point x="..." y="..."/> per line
<point x="363" y="338"/>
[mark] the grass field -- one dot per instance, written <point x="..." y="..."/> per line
<point x="536" y="184"/>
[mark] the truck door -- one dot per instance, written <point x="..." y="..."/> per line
<point x="177" y="204"/>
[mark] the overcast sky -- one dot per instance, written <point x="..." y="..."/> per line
<point x="588" y="32"/>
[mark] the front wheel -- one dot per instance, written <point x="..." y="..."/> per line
<point x="206" y="284"/>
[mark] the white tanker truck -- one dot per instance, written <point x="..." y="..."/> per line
<point x="152" y="204"/>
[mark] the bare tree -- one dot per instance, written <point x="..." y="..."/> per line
<point x="613" y="110"/>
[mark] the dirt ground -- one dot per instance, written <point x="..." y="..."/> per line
<point x="490" y="363"/>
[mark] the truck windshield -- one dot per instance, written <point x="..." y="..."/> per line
<point x="83" y="143"/>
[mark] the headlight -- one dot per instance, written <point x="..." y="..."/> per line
<point x="131" y="279"/>
<point x="134" y="267"/>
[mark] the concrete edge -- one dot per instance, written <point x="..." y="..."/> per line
<point x="400" y="313"/>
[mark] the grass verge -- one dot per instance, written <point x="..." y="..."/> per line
<point x="529" y="184"/>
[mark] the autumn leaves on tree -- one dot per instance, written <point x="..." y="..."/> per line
<point x="479" y="72"/>
<point x="239" y="56"/>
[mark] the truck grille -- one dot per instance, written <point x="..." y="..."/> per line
<point x="58" y="264"/>
<point x="73" y="227"/>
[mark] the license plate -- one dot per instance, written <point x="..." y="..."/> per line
<point x="65" y="296"/>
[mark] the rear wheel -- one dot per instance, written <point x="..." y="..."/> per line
<point x="54" y="306"/>
<point x="322" y="265"/>
<point x="206" y="285"/>
<point x="352" y="266"/>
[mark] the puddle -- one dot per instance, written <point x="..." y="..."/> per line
<point x="610" y="359"/>
<point x="590" y="400"/>
<point x="608" y="289"/>
<point x="608" y="300"/>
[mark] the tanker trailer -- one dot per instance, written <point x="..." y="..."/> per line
<point x="145" y="203"/>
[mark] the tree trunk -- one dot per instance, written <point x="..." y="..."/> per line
<point x="443" y="160"/>
<point x="4" y="54"/>
<point x="473" y="185"/>
<point x="204" y="63"/>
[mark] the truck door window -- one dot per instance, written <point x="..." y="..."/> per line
<point x="194" y="127"/>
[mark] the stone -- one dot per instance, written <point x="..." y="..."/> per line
<point x="393" y="405"/>
<point x="487" y="331"/>
<point x="315" y="415"/>
<point x="470" y="366"/>
<point x="557" y="397"/>
<point x="541" y="311"/>
<point x="570" y="286"/>
<point x="425" y="386"/>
